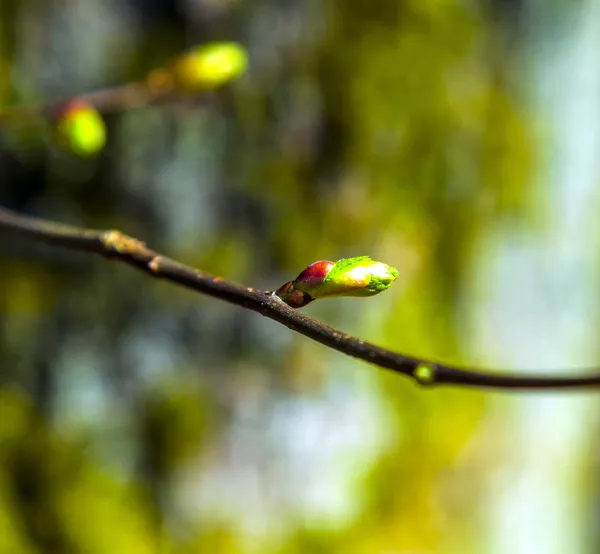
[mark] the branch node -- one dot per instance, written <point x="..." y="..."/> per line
<point x="116" y="241"/>
<point x="154" y="264"/>
<point x="425" y="374"/>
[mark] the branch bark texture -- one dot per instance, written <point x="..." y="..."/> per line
<point x="117" y="246"/>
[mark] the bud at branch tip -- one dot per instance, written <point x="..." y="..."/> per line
<point x="360" y="276"/>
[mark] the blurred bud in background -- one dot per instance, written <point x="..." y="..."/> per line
<point x="210" y="66"/>
<point x="79" y="129"/>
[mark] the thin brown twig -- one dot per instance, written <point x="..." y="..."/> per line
<point x="129" y="95"/>
<point x="120" y="247"/>
<point x="158" y="87"/>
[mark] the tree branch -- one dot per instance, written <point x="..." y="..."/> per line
<point x="120" y="97"/>
<point x="117" y="246"/>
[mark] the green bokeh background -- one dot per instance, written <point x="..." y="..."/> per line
<point x="452" y="139"/>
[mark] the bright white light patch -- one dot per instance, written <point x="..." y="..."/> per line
<point x="359" y="276"/>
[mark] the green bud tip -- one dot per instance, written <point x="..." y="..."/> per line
<point x="359" y="276"/>
<point x="80" y="129"/>
<point x="211" y="65"/>
<point x="424" y="374"/>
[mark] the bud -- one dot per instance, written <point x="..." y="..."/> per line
<point x="314" y="276"/>
<point x="210" y="66"/>
<point x="360" y="276"/>
<point x="292" y="296"/>
<point x="80" y="128"/>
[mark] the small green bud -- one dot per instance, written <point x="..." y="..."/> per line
<point x="80" y="129"/>
<point x="210" y="66"/>
<point x="425" y="374"/>
<point x="360" y="276"/>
